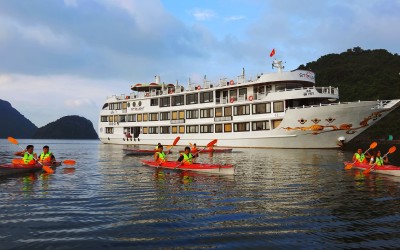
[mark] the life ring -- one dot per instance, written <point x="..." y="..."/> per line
<point x="232" y="100"/>
<point x="198" y="87"/>
<point x="127" y="97"/>
<point x="231" y="82"/>
<point x="170" y="91"/>
<point x="146" y="95"/>
<point x="251" y="98"/>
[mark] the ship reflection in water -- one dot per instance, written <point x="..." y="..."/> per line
<point x="291" y="198"/>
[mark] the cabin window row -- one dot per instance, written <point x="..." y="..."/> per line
<point x="179" y="100"/>
<point x="261" y="108"/>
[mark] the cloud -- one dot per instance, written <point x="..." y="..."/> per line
<point x="203" y="14"/>
<point x="235" y="18"/>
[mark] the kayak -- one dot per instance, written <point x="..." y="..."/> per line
<point x="208" y="150"/>
<point x="139" y="151"/>
<point x="10" y="168"/>
<point x="198" y="167"/>
<point x="386" y="169"/>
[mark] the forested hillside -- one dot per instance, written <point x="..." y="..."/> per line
<point x="363" y="75"/>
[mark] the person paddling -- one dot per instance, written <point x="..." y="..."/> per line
<point x="378" y="160"/>
<point x="360" y="157"/>
<point x="160" y="156"/>
<point x="28" y="155"/>
<point x="194" y="148"/>
<point x="159" y="144"/>
<point x="46" y="155"/>
<point x="186" y="157"/>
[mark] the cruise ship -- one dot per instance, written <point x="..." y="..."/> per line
<point x="282" y="109"/>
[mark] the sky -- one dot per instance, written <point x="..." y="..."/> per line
<point x="65" y="57"/>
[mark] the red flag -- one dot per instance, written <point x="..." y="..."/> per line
<point x="272" y="53"/>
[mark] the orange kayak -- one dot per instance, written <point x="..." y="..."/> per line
<point x="385" y="169"/>
<point x="9" y="169"/>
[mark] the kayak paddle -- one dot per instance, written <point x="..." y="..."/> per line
<point x="45" y="168"/>
<point x="372" y="146"/>
<point x="391" y="150"/>
<point x="210" y="144"/>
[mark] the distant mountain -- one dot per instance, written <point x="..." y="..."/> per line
<point x="67" y="127"/>
<point x="363" y="75"/>
<point x="13" y="123"/>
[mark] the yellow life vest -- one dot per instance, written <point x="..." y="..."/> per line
<point x="28" y="158"/>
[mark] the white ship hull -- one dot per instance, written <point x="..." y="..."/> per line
<point x="339" y="123"/>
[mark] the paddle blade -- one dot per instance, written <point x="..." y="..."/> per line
<point x="176" y="140"/>
<point x="373" y="145"/>
<point x="367" y="171"/>
<point x="12" y="140"/>
<point x="212" y="143"/>
<point x="348" y="166"/>
<point x="392" y="149"/>
<point x="69" y="162"/>
<point x="17" y="161"/>
<point x="48" y="169"/>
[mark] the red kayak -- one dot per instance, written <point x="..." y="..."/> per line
<point x="8" y="169"/>
<point x="209" y="150"/>
<point x="386" y="169"/>
<point x="198" y="167"/>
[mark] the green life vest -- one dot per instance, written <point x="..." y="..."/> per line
<point x="161" y="156"/>
<point x="187" y="158"/>
<point x="45" y="157"/>
<point x="360" y="158"/>
<point x="28" y="158"/>
<point x="379" y="161"/>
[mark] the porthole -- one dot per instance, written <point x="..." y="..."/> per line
<point x="140" y="103"/>
<point x="128" y="104"/>
<point x="133" y="104"/>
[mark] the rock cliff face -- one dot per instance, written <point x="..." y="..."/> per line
<point x="14" y="124"/>
<point x="67" y="127"/>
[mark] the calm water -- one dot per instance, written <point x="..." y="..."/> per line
<point x="278" y="199"/>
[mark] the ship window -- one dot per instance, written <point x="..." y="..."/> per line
<point x="233" y="94"/>
<point x="174" y="115"/>
<point x="145" y="117"/>
<point x="190" y="129"/>
<point x="206" y="113"/>
<point x="154" y="102"/>
<point x="192" y="99"/>
<point x="181" y="114"/>
<point x="153" y="117"/>
<point x="262" y="108"/>
<point x="121" y="118"/>
<point x="242" y="110"/>
<point x="165" y="116"/>
<point x="140" y="103"/>
<point x="124" y="105"/>
<point x="128" y="104"/>
<point x="139" y="117"/>
<point x="164" y="102"/>
<point x="104" y="118"/>
<point x="105" y="106"/>
<point x="145" y="130"/>
<point x="218" y="112"/>
<point x="218" y="128"/>
<point x="174" y="129"/>
<point x="276" y="123"/>
<point x="192" y="114"/>
<point x="243" y="92"/>
<point x="111" y="118"/>
<point x="115" y="106"/>
<point x="133" y="104"/>
<point x="116" y="118"/>
<point x="228" y="111"/>
<point x="206" y="97"/>
<point x="181" y="129"/>
<point x="177" y="100"/>
<point x="261" y="125"/>
<point x="109" y="130"/>
<point x="153" y="130"/>
<point x="206" y="128"/>
<point x="278" y="107"/>
<point x="241" y="126"/>
<point x="131" y="118"/>
<point x="227" y="127"/>
<point x="164" y="130"/>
